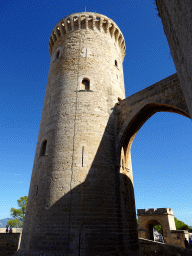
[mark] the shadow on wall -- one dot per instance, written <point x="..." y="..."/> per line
<point x="97" y="217"/>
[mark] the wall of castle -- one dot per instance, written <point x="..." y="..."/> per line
<point x="152" y="248"/>
<point x="176" y="17"/>
<point x="74" y="203"/>
<point x="9" y="243"/>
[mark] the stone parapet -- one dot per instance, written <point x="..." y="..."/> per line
<point x="152" y="248"/>
<point x="9" y="243"/>
<point x="87" y="20"/>
<point x="14" y="230"/>
<point x="154" y="211"/>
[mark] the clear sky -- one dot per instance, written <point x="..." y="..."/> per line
<point x="161" y="151"/>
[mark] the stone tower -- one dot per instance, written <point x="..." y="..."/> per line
<point x="74" y="204"/>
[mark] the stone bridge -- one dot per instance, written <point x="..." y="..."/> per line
<point x="134" y="111"/>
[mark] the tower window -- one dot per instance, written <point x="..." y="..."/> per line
<point x="115" y="63"/>
<point x="57" y="55"/>
<point x="85" y="84"/>
<point x="43" y="148"/>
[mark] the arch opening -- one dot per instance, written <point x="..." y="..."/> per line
<point x="69" y="26"/>
<point x="83" y="24"/>
<point x="154" y="231"/>
<point x="90" y="22"/>
<point x="125" y="145"/>
<point x="141" y="117"/>
<point x="97" y="23"/>
<point x="76" y="23"/>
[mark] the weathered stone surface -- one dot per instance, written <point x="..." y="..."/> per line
<point x="159" y="249"/>
<point x="9" y="243"/>
<point x="176" y="17"/>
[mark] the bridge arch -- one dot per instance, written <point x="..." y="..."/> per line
<point x="133" y="126"/>
<point x="134" y="111"/>
<point x="131" y="114"/>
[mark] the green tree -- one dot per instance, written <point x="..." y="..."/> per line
<point x="158" y="228"/>
<point x="180" y="225"/>
<point x="18" y="214"/>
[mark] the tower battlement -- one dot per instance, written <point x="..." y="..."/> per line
<point x="152" y="211"/>
<point x="87" y="20"/>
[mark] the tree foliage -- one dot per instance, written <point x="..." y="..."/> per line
<point x="18" y="214"/>
<point x="158" y="228"/>
<point x="180" y="225"/>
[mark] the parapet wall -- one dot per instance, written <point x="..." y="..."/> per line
<point x="152" y="248"/>
<point x="14" y="230"/>
<point x="153" y="211"/>
<point x="87" y="20"/>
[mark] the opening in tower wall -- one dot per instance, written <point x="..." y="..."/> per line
<point x="43" y="148"/>
<point x="85" y="84"/>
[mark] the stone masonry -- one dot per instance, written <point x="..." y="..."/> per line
<point x="161" y="216"/>
<point x="176" y="17"/>
<point x="81" y="197"/>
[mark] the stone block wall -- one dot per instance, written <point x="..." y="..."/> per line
<point x="9" y="243"/>
<point x="151" y="248"/>
<point x="176" y="17"/>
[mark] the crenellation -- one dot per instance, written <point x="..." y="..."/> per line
<point x="58" y="31"/>
<point x="54" y="36"/>
<point x="63" y="30"/>
<point x="69" y="24"/>
<point x="66" y="25"/>
<point x="154" y="211"/>
<point x="116" y="34"/>
<point x="83" y="24"/>
<point x="90" y="22"/>
<point x="87" y="21"/>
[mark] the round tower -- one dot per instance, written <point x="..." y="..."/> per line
<point x="73" y="204"/>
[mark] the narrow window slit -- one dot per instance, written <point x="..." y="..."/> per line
<point x="43" y="148"/>
<point x="82" y="154"/>
<point x="37" y="190"/>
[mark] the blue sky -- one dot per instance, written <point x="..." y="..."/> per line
<point x="161" y="151"/>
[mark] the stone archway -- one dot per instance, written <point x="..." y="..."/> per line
<point x="131" y="114"/>
<point x="151" y="217"/>
<point x="134" y="111"/>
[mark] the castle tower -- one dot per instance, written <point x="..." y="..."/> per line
<point x="74" y="204"/>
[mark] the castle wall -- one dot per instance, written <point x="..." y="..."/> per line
<point x="152" y="248"/>
<point x="176" y="17"/>
<point x="9" y="243"/>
